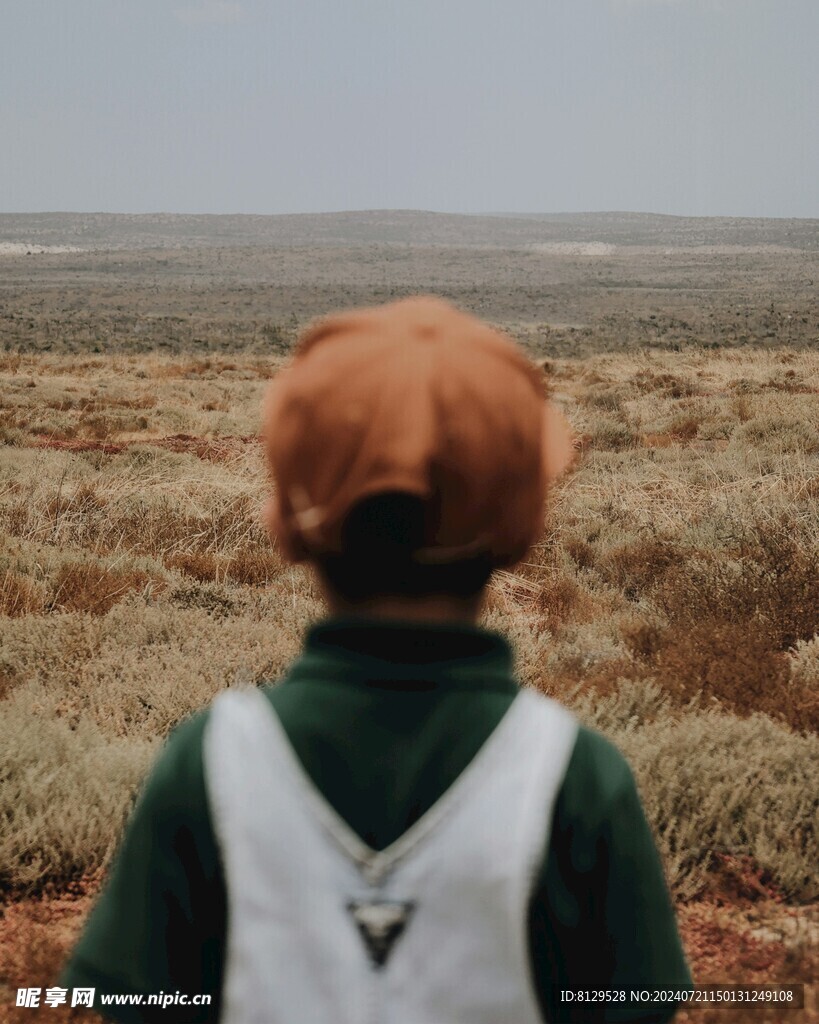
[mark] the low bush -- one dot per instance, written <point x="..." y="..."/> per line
<point x="612" y="435"/>
<point x="713" y="783"/>
<point x="96" y="588"/>
<point x="20" y="595"/>
<point x="64" y="795"/>
<point x="667" y="385"/>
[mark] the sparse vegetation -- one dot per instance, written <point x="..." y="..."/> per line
<point x="673" y="600"/>
<point x="136" y="580"/>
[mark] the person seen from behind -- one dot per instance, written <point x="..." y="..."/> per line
<point x="396" y="831"/>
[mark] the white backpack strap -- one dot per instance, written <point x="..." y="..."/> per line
<point x="302" y="885"/>
<point x="472" y="876"/>
<point x="292" y="951"/>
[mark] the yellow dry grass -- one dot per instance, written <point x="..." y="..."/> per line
<point x="679" y="564"/>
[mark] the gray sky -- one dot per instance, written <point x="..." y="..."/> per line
<point x="698" y="107"/>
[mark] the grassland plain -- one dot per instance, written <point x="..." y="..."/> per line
<point x="673" y="601"/>
<point x="566" y="285"/>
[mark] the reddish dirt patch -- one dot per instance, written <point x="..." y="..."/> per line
<point x="35" y="937"/>
<point x="766" y="944"/>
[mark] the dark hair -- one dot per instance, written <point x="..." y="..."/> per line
<point x="380" y="537"/>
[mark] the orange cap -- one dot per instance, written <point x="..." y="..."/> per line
<point x="413" y="396"/>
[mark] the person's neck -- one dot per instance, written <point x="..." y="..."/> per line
<point x="438" y="608"/>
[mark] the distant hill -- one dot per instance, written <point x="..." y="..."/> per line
<point x="399" y="227"/>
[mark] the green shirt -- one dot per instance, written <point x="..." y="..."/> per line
<point x="384" y="717"/>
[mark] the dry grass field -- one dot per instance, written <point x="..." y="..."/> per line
<point x="673" y="601"/>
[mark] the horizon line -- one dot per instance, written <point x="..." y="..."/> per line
<point x="512" y="215"/>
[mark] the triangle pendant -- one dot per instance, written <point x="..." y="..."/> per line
<point x="380" y="923"/>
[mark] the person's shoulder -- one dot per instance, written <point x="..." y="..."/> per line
<point x="598" y="783"/>
<point x="177" y="774"/>
<point x="596" y="765"/>
<point x="599" y="764"/>
<point x="183" y="744"/>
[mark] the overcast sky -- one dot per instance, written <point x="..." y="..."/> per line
<point x="698" y="107"/>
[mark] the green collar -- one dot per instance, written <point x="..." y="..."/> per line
<point x="417" y="655"/>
